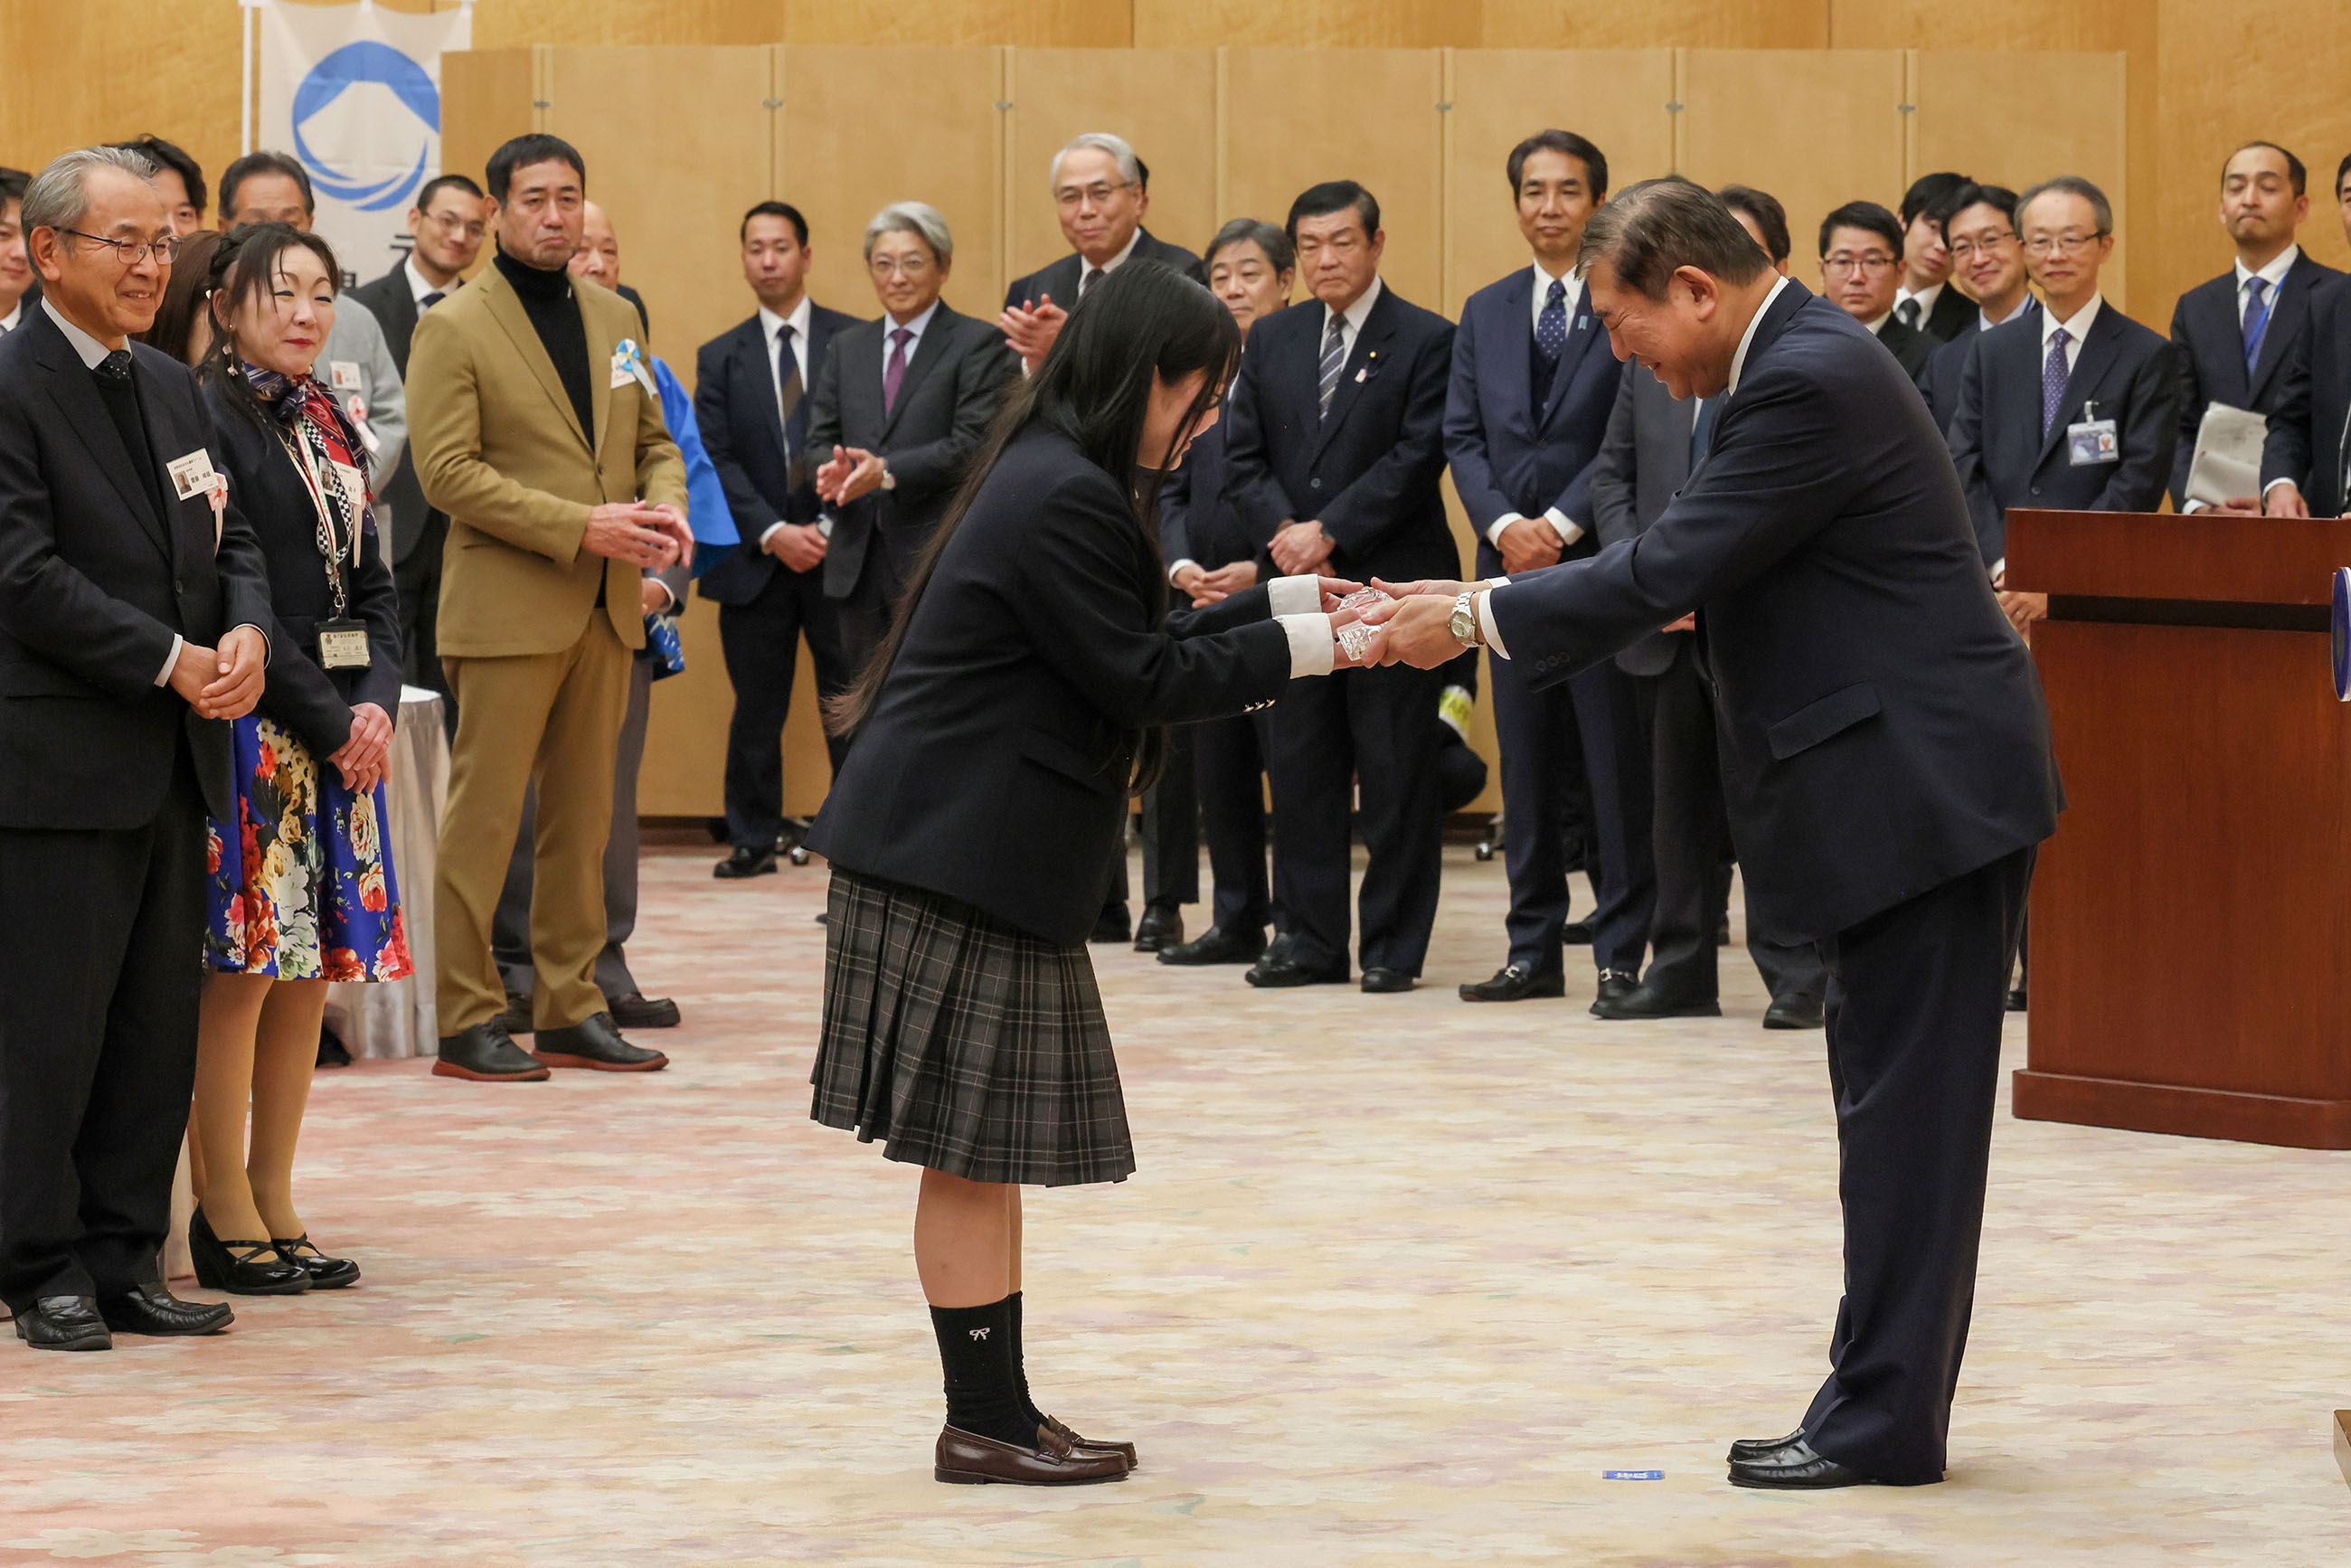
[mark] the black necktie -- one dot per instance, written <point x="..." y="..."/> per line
<point x="115" y="367"/>
<point x="432" y="300"/>
<point x="1907" y="313"/>
<point x="1086" y="277"/>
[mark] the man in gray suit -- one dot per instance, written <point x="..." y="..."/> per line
<point x="1652" y="443"/>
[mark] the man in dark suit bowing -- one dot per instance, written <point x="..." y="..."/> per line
<point x="2233" y="333"/>
<point x="133" y="608"/>
<point x="1102" y="191"/>
<point x="446" y="225"/>
<point x="749" y="398"/>
<point x="1885" y="750"/>
<point x="1333" y="450"/>
<point x="901" y="406"/>
<point x="1532" y="385"/>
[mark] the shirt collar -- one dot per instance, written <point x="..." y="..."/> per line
<point x="2076" y="331"/>
<point x="420" y="285"/>
<point x="1984" y="323"/>
<point x="1356" y="314"/>
<point x="1879" y="325"/>
<point x="14" y="317"/>
<point x="90" y="349"/>
<point x="1085" y="266"/>
<point x="1747" y="340"/>
<point x="770" y="323"/>
<point x="1925" y="296"/>
<point x="1573" y="279"/>
<point x="916" y="325"/>
<point x="2275" y="273"/>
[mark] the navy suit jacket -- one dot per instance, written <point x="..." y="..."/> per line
<point x="2004" y="458"/>
<point x="1643" y="463"/>
<point x="1369" y="472"/>
<point x="1953" y="315"/>
<point x="1881" y="726"/>
<point x="2310" y="436"/>
<point x="1195" y="522"/>
<point x="1515" y="446"/>
<point x="735" y="406"/>
<point x="1939" y="381"/>
<point x="1060" y="278"/>
<point x="2209" y="341"/>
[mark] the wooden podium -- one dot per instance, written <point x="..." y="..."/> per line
<point x="2191" y="920"/>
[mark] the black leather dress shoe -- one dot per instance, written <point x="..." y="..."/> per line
<point x="64" y="1322"/>
<point x="152" y="1309"/>
<point x="1615" y="985"/>
<point x="595" y="1044"/>
<point x="1112" y="926"/>
<point x="1216" y="946"/>
<point x="638" y="1010"/>
<point x="242" y="1268"/>
<point x="1380" y="982"/>
<point x="2016" y="1000"/>
<point x="1515" y="983"/>
<point x="1794" y="1468"/>
<point x="1755" y="1448"/>
<point x="1161" y="925"/>
<point x="1641" y="1002"/>
<point x="516" y="1020"/>
<point x="1576" y="933"/>
<point x="1794" y="1012"/>
<point x="485" y="1053"/>
<point x="326" y="1273"/>
<point x="744" y="862"/>
<point x="1272" y="973"/>
<point x="332" y="1052"/>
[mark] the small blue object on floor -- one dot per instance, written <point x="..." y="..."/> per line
<point x="1632" y="1475"/>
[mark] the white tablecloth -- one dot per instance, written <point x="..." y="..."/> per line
<point x="399" y="1018"/>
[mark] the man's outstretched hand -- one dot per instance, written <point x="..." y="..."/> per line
<point x="1413" y="629"/>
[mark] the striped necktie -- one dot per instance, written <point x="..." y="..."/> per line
<point x="1334" y="360"/>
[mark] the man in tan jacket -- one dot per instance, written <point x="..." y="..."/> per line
<point x="536" y="426"/>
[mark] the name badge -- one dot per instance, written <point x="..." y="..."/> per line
<point x="351" y="482"/>
<point x="343" y="375"/>
<point x="2094" y="441"/>
<point x="620" y="376"/>
<point x="192" y="475"/>
<point x="343" y="644"/>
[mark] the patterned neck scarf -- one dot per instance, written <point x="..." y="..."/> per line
<point x="305" y="411"/>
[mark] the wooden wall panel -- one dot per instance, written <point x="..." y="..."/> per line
<point x="1162" y="100"/>
<point x="486" y="100"/>
<point x="1296" y="117"/>
<point x="521" y="24"/>
<point x="102" y="70"/>
<point x="1305" y="24"/>
<point x="1043" y="24"/>
<point x="1686" y="24"/>
<point x="1616" y="97"/>
<point x="1816" y="128"/>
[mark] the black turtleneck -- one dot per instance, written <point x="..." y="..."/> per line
<point x="547" y="299"/>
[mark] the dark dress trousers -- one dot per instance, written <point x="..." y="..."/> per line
<point x="417" y="529"/>
<point x="994" y="765"/>
<point x="1643" y="462"/>
<point x="2006" y="459"/>
<point x="105" y="781"/>
<point x="1886" y="761"/>
<point x="1060" y="280"/>
<point x="2310" y="436"/>
<point x="1520" y="434"/>
<point x="764" y="608"/>
<point x="2208" y="337"/>
<point x="952" y="387"/>
<point x="1368" y="471"/>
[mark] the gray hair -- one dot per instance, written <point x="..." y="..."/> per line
<point x="1130" y="167"/>
<point x="918" y="218"/>
<point x="1267" y="238"/>
<point x="2071" y="186"/>
<point x="58" y="197"/>
<point x="1648" y="230"/>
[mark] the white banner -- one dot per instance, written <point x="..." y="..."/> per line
<point x="354" y="92"/>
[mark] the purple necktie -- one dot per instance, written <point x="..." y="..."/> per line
<point x="894" y="375"/>
<point x="2052" y="380"/>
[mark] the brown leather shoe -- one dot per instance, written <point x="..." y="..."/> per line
<point x="1090" y="1445"/>
<point x="969" y="1460"/>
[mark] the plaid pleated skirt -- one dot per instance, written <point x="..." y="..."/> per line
<point x="964" y="1044"/>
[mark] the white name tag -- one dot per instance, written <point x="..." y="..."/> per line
<point x="192" y="475"/>
<point x="343" y="375"/>
<point x="352" y="482"/>
<point x="2092" y="442"/>
<point x="620" y="375"/>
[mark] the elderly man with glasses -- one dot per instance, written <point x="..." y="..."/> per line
<point x="1101" y="191"/>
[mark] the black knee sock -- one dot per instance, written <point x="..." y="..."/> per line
<point x="1019" y="1364"/>
<point x="983" y="1398"/>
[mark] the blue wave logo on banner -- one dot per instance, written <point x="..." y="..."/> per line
<point x="358" y="65"/>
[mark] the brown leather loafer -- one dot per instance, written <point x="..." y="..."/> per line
<point x="1091" y="1445"/>
<point x="967" y="1458"/>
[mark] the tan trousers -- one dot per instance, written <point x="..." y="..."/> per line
<point x="552" y="719"/>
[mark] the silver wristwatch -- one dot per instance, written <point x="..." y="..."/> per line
<point x="1464" y="621"/>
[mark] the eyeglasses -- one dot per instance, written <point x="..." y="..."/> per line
<point x="2065" y="245"/>
<point x="1072" y="196"/>
<point x="1981" y="245"/>
<point x="899" y="265"/>
<point x="1875" y="264"/>
<point x="133" y="251"/>
<point x="451" y="224"/>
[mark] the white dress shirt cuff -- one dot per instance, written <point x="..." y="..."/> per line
<point x="1486" y="627"/>
<point x="1175" y="568"/>
<point x="1296" y="596"/>
<point x="2274" y="485"/>
<point x="2204" y="505"/>
<point x="770" y="532"/>
<point x="1495" y="529"/>
<point x="1569" y="532"/>
<point x="1312" y="650"/>
<point x="177" y="643"/>
<point x="669" y="596"/>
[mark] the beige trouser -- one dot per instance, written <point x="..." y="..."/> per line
<point x="553" y="719"/>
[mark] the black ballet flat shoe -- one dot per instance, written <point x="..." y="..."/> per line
<point x="242" y="1268"/>
<point x="326" y="1273"/>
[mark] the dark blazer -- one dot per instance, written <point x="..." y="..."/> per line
<point x="1938" y="383"/>
<point x="994" y="765"/>
<point x="1953" y="315"/>
<point x="314" y="701"/>
<point x="415" y="523"/>
<point x="2209" y="343"/>
<point x="1643" y="460"/>
<point x="1060" y="280"/>
<point x="1195" y="522"/>
<point x="957" y="376"/>
<point x="2004" y="458"/>
<point x="94" y="584"/>
<point x="735" y="405"/>
<point x="2310" y="436"/>
<point x="1910" y="346"/>
<point x="1515" y="446"/>
<point x="1370" y="471"/>
<point x="1881" y="726"/>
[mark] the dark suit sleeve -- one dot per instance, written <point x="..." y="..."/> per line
<point x="753" y="516"/>
<point x="1360" y="515"/>
<point x="1174" y="517"/>
<point x="1609" y="495"/>
<point x="2149" y="436"/>
<point x="1242" y="609"/>
<point x="1251" y="490"/>
<point x="2286" y="449"/>
<point x="982" y="372"/>
<point x="2192" y="404"/>
<point x="1965" y="435"/>
<point x="1465" y="436"/>
<point x="1574" y="502"/>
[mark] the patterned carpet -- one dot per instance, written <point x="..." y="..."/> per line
<point x="1398" y="1279"/>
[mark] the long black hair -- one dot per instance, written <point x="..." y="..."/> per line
<point x="1094" y="387"/>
